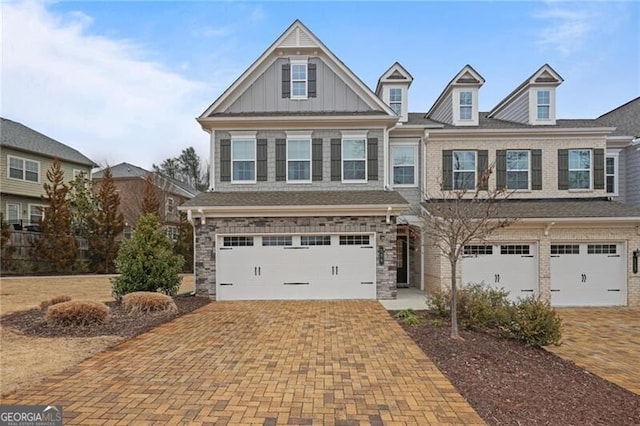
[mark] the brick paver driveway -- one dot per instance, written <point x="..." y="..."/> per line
<point x="261" y="363"/>
<point x="605" y="341"/>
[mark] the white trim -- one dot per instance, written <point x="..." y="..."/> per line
<point x="416" y="160"/>
<point x="616" y="172"/>
<point x="354" y="134"/>
<point x="30" y="206"/>
<point x="533" y="105"/>
<point x="299" y="62"/>
<point x="355" y="137"/>
<point x="237" y="138"/>
<point x="506" y="176"/>
<point x="24" y="168"/>
<point x="290" y="210"/>
<point x="456" y="93"/>
<point x="242" y="134"/>
<point x="310" y="160"/>
<point x="212" y="164"/>
<point x="590" y="170"/>
<point x="453" y="169"/>
<point x="298" y="134"/>
<point x="19" y="211"/>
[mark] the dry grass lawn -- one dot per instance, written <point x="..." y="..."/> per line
<point x="26" y="360"/>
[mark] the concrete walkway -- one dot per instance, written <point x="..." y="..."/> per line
<point x="605" y="341"/>
<point x="265" y="363"/>
<point x="412" y="298"/>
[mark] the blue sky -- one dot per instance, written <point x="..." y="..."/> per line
<point x="123" y="81"/>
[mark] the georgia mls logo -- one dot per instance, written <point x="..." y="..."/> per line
<point x="30" y="415"/>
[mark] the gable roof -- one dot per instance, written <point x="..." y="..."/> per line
<point x="296" y="36"/>
<point x="626" y="119"/>
<point x="18" y="136"/>
<point x="126" y="170"/>
<point x="466" y="76"/>
<point x="544" y="75"/>
<point x="395" y="73"/>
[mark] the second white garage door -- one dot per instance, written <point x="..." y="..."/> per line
<point x="588" y="274"/>
<point x="259" y="267"/>
<point x="513" y="267"/>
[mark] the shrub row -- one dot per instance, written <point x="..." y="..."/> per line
<point x="481" y="307"/>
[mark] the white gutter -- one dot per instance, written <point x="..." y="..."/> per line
<point x="306" y="210"/>
<point x="534" y="131"/>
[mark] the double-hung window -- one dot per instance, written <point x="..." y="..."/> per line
<point x="243" y="160"/>
<point x="299" y="79"/>
<point x="466" y="105"/>
<point x="354" y="159"/>
<point x="395" y="100"/>
<point x="36" y="213"/>
<point x="298" y="160"/>
<point x="13" y="213"/>
<point x="23" y="169"/>
<point x="169" y="206"/>
<point x="579" y="169"/>
<point x="611" y="174"/>
<point x="543" y="104"/>
<point x="518" y="166"/>
<point x="464" y="169"/>
<point x="404" y="164"/>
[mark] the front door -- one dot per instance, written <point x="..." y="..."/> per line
<point x="402" y="271"/>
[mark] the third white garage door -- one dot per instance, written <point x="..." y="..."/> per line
<point x="513" y="267"/>
<point x="257" y="267"/>
<point x="588" y="274"/>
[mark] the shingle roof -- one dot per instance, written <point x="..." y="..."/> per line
<point x="552" y="209"/>
<point x="626" y="119"/>
<point x="19" y="136"/>
<point x="485" y="122"/>
<point x="295" y="198"/>
<point x="127" y="170"/>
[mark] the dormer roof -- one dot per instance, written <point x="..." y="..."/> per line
<point x="395" y="74"/>
<point x="544" y="76"/>
<point x="295" y="41"/>
<point x="467" y="76"/>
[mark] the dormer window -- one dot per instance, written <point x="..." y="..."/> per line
<point x="466" y="106"/>
<point x="395" y="100"/>
<point x="543" y="104"/>
<point x="298" y="79"/>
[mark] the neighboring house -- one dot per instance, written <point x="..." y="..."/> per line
<point x="623" y="152"/>
<point x="319" y="184"/>
<point x="129" y="181"/>
<point x="26" y="157"/>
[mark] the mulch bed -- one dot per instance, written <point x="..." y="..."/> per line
<point x="120" y="323"/>
<point x="508" y="383"/>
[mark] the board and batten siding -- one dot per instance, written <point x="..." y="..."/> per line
<point x="274" y="184"/>
<point x="444" y="112"/>
<point x="265" y="94"/>
<point x="28" y="188"/>
<point x="517" y="111"/>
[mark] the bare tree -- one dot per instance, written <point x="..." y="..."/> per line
<point x="459" y="218"/>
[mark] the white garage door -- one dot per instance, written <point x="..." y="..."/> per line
<point x="588" y="274"/>
<point x="513" y="267"/>
<point x="258" y="267"/>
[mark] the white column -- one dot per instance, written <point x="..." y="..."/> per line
<point x="212" y="160"/>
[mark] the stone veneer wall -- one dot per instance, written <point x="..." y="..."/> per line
<point x="207" y="230"/>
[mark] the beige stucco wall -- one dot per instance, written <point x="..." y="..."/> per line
<point x="549" y="146"/>
<point x="558" y="233"/>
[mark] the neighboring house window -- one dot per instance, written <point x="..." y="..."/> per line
<point x="299" y="160"/>
<point x="579" y="169"/>
<point x="518" y="166"/>
<point x="544" y="104"/>
<point x="36" y="213"/>
<point x="23" y="169"/>
<point x="395" y="100"/>
<point x="243" y="159"/>
<point x="172" y="232"/>
<point x="77" y="172"/>
<point x="169" y="205"/>
<point x="354" y="159"/>
<point x="13" y="213"/>
<point x="611" y="174"/>
<point x="464" y="169"/>
<point x="404" y="164"/>
<point x="298" y="80"/>
<point x="127" y="231"/>
<point x="466" y="105"/>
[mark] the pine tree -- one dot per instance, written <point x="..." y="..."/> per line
<point x="81" y="201"/>
<point x="107" y="224"/>
<point x="6" y="249"/>
<point x="150" y="200"/>
<point x="57" y="245"/>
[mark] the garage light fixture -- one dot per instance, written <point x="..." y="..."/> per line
<point x="636" y="255"/>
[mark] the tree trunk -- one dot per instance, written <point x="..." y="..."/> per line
<point x="454" y="301"/>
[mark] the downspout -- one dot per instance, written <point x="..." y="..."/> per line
<point x="389" y="215"/>
<point x="423" y="196"/>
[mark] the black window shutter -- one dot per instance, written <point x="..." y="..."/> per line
<point x="483" y="165"/>
<point x="225" y="160"/>
<point x="281" y="159"/>
<point x="598" y="169"/>
<point x="261" y="166"/>
<point x="563" y="169"/>
<point x="316" y="157"/>
<point x="536" y="169"/>
<point x="501" y="169"/>
<point x="447" y="170"/>
<point x="372" y="159"/>
<point x="336" y="159"/>
<point x="311" y="80"/>
<point x="286" y="80"/>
